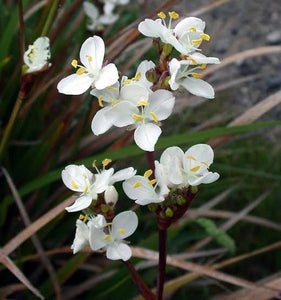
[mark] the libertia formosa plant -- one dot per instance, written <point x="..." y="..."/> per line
<point x="140" y="104"/>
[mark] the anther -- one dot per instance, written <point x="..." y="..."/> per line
<point x="191" y="29"/>
<point x="202" y="67"/>
<point x="107" y="237"/>
<point x="190" y="157"/>
<point x="100" y="100"/>
<point x="31" y="54"/>
<point x="153" y="115"/>
<point x="106" y="162"/>
<point x="138" y="76"/>
<point x="121" y="230"/>
<point x="112" y="88"/>
<point x="94" y="163"/>
<point x="204" y="163"/>
<point x="161" y="15"/>
<point x="205" y="36"/>
<point x="74" y="184"/>
<point x="137" y="184"/>
<point x="137" y="117"/>
<point x="74" y="63"/>
<point x="143" y="102"/>
<point x="148" y="173"/>
<point x="196" y="42"/>
<point x="81" y="71"/>
<point x="194" y="169"/>
<point x="89" y="57"/>
<point x="196" y="75"/>
<point x="153" y="181"/>
<point x="81" y="217"/>
<point x="173" y="15"/>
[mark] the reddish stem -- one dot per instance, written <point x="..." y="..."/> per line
<point x="162" y="235"/>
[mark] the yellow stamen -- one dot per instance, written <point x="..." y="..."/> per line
<point x="194" y="169"/>
<point x="196" y="42"/>
<point x="107" y="237"/>
<point x="86" y="218"/>
<point x="147" y="173"/>
<point x="196" y="75"/>
<point x="114" y="103"/>
<point x="204" y="163"/>
<point x="74" y="63"/>
<point x="109" y="224"/>
<point x="74" y="184"/>
<point x="84" y="175"/>
<point x="191" y="29"/>
<point x="143" y="102"/>
<point x="137" y="117"/>
<point x="138" y="76"/>
<point x="191" y="59"/>
<point x="173" y="15"/>
<point x="31" y="54"/>
<point x="85" y="189"/>
<point x="190" y="157"/>
<point x="94" y="163"/>
<point x="153" y="181"/>
<point x="137" y="184"/>
<point x="161" y="15"/>
<point x="127" y="81"/>
<point x="205" y="36"/>
<point x="100" y="100"/>
<point x="121" y="230"/>
<point x="106" y="162"/>
<point x="81" y="217"/>
<point x="112" y="88"/>
<point x="153" y="115"/>
<point x="81" y="71"/>
<point x="89" y="57"/>
<point x="202" y="67"/>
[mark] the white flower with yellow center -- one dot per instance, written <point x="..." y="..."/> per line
<point x="189" y="168"/>
<point x="186" y="37"/>
<point x="145" y="117"/>
<point x="183" y="74"/>
<point x="37" y="55"/>
<point x="111" y="238"/>
<point x="91" y="73"/>
<point x="145" y="191"/>
<point x="82" y="230"/>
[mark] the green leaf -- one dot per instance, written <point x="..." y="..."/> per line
<point x="217" y="234"/>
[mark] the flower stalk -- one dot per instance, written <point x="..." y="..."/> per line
<point x="162" y="242"/>
<point x="140" y="284"/>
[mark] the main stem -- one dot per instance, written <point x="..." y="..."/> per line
<point x="140" y="284"/>
<point x="162" y="236"/>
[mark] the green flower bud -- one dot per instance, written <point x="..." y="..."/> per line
<point x="194" y="189"/>
<point x="168" y="212"/>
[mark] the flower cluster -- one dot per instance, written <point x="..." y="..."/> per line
<point x="139" y="103"/>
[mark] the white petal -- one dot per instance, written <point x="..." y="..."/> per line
<point x="174" y="67"/>
<point x="103" y="179"/>
<point x="93" y="47"/>
<point x="80" y="204"/>
<point x="90" y="10"/>
<point x="98" y="221"/>
<point x="201" y="152"/>
<point x="122" y="251"/>
<point x="123" y="175"/>
<point x="121" y="114"/>
<point x="100" y="124"/>
<point x="161" y="103"/>
<point x="81" y="236"/>
<point x="107" y="77"/>
<point x="96" y="238"/>
<point x="197" y="23"/>
<point x="124" y="225"/>
<point x="134" y="92"/>
<point x="198" y="87"/>
<point x="151" y="28"/>
<point x="146" y="136"/>
<point x="74" y="84"/>
<point x="202" y="59"/>
<point x="111" y="195"/>
<point x="208" y="177"/>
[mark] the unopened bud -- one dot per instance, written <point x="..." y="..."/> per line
<point x="181" y="201"/>
<point x="168" y="212"/>
<point x="194" y="189"/>
<point x="166" y="82"/>
<point x="104" y="208"/>
<point x="111" y="195"/>
<point x="167" y="49"/>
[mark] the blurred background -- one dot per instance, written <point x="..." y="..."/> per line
<point x="233" y="226"/>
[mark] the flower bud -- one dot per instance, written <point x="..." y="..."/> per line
<point x="167" y="49"/>
<point x="110" y="195"/>
<point x="151" y="75"/>
<point x="194" y="189"/>
<point x="168" y="212"/>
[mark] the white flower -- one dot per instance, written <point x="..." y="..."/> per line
<point x="189" y="168"/>
<point x="145" y="191"/>
<point x="82" y="231"/>
<point x="123" y="225"/>
<point x="91" y="73"/>
<point x="186" y="37"/>
<point x="80" y="179"/>
<point x="183" y="75"/>
<point x="109" y="100"/>
<point x="37" y="54"/>
<point x="145" y="117"/>
<point x="96" y="20"/>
